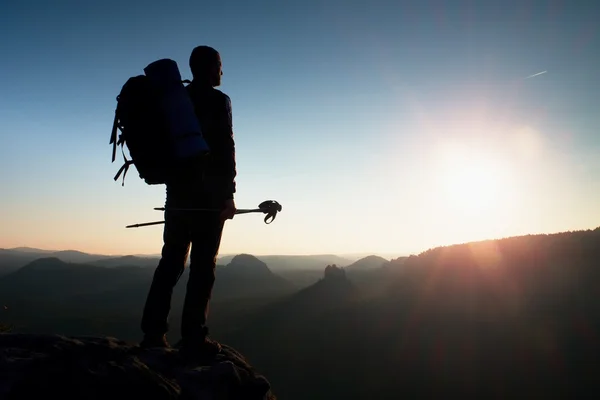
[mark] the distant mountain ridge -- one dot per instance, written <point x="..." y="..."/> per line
<point x="26" y="249"/>
<point x="51" y="282"/>
<point x="14" y="258"/>
<point x="291" y="262"/>
<point x="138" y="261"/>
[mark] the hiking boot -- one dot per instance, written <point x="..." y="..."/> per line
<point x="155" y="341"/>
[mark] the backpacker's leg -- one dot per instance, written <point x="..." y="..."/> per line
<point x="177" y="238"/>
<point x="206" y="240"/>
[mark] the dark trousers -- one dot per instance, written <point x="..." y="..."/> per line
<point x="201" y="230"/>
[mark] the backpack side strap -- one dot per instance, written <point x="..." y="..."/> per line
<point x="124" y="168"/>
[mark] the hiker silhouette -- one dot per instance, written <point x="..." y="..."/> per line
<point x="206" y="182"/>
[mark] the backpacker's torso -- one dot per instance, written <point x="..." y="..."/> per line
<point x="206" y="176"/>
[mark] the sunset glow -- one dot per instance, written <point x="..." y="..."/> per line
<point x="474" y="183"/>
<point x="377" y="129"/>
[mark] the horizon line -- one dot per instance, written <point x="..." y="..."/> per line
<point x="353" y="254"/>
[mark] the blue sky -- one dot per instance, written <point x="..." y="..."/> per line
<point x="350" y="113"/>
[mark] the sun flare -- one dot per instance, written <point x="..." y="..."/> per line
<point x="473" y="181"/>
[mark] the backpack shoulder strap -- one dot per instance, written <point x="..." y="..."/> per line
<point x="113" y="135"/>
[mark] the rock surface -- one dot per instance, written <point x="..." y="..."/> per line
<point x="54" y="366"/>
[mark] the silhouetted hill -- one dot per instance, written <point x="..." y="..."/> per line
<point x="11" y="260"/>
<point x="246" y="265"/>
<point x="247" y="276"/>
<point x="86" y="368"/>
<point x="511" y="318"/>
<point x="50" y="295"/>
<point x="43" y="264"/>
<point x="51" y="278"/>
<point x="75" y="256"/>
<point x="367" y="263"/>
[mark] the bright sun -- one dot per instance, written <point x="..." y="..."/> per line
<point x="471" y="185"/>
<point x="474" y="182"/>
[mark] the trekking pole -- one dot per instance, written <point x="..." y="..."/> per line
<point x="268" y="207"/>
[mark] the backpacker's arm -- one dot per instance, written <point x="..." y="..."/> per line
<point x="229" y="164"/>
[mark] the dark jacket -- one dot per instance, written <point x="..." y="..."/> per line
<point x="214" y="174"/>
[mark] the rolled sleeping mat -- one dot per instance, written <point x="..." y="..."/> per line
<point x="182" y="123"/>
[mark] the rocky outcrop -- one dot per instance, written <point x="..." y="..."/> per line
<point x="333" y="272"/>
<point x="54" y="366"/>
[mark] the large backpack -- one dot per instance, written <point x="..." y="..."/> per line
<point x="157" y="123"/>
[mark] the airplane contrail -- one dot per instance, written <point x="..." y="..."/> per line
<point x="539" y="73"/>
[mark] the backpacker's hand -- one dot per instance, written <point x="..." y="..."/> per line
<point x="228" y="210"/>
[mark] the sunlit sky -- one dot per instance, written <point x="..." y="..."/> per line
<point x="380" y="126"/>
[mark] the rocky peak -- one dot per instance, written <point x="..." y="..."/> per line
<point x="84" y="368"/>
<point x="333" y="272"/>
<point x="248" y="264"/>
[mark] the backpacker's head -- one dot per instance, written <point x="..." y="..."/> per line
<point x="205" y="63"/>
